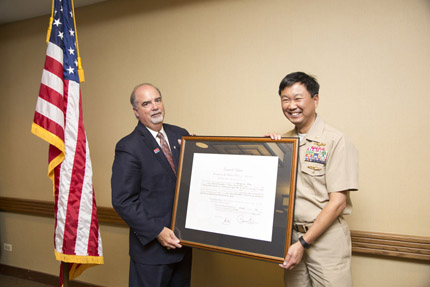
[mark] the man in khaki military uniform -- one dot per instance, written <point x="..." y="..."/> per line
<point x="328" y="169"/>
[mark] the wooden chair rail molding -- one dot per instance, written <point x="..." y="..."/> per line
<point x="363" y="242"/>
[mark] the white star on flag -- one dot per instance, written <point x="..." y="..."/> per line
<point x="57" y="22"/>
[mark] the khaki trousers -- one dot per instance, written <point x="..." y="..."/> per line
<point x="327" y="262"/>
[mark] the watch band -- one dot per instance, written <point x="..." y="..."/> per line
<point x="304" y="243"/>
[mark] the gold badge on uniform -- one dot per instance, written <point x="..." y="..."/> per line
<point x="316" y="168"/>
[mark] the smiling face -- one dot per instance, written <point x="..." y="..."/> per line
<point x="299" y="107"/>
<point x="148" y="107"/>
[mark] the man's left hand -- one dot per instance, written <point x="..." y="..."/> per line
<point x="168" y="239"/>
<point x="294" y="256"/>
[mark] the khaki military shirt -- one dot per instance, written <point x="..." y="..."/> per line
<point x="328" y="162"/>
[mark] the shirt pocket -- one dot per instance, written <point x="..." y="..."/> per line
<point x="313" y="176"/>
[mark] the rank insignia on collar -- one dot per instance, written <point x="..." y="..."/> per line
<point x="316" y="154"/>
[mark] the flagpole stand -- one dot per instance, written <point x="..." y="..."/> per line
<point x="65" y="274"/>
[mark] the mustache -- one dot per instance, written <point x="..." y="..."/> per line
<point x="155" y="113"/>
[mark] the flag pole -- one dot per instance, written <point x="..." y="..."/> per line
<point x="65" y="273"/>
<point x="51" y="20"/>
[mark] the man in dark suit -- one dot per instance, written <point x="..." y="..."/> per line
<point x="143" y="190"/>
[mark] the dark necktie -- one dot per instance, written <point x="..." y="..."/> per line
<point x="166" y="150"/>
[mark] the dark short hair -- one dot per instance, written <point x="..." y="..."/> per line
<point x="133" y="93"/>
<point x="308" y="81"/>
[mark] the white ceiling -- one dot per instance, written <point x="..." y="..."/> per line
<point x="16" y="10"/>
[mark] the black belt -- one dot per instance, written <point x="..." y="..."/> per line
<point x="303" y="228"/>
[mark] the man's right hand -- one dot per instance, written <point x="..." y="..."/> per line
<point x="273" y="136"/>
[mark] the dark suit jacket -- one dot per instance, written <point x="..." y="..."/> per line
<point x="143" y="190"/>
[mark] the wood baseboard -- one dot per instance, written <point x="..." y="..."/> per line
<point x="363" y="242"/>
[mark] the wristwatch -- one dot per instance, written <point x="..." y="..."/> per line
<point x="304" y="243"/>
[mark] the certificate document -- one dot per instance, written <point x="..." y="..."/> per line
<point x="233" y="195"/>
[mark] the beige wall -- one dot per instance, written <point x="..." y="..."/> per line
<point x="218" y="64"/>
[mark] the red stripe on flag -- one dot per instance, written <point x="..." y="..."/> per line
<point x="93" y="242"/>
<point x="54" y="66"/>
<point x="52" y="151"/>
<point x="49" y="125"/>
<point x="51" y="96"/>
<point x="75" y="193"/>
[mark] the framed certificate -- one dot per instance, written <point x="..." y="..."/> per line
<point x="236" y="195"/>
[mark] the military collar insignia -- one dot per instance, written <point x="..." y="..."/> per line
<point x="320" y="144"/>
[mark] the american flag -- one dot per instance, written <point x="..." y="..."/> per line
<point x="58" y="120"/>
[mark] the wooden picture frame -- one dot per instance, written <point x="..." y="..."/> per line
<point x="236" y="195"/>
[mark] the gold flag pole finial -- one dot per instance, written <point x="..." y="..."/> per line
<point x="51" y="20"/>
<point x="80" y="69"/>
